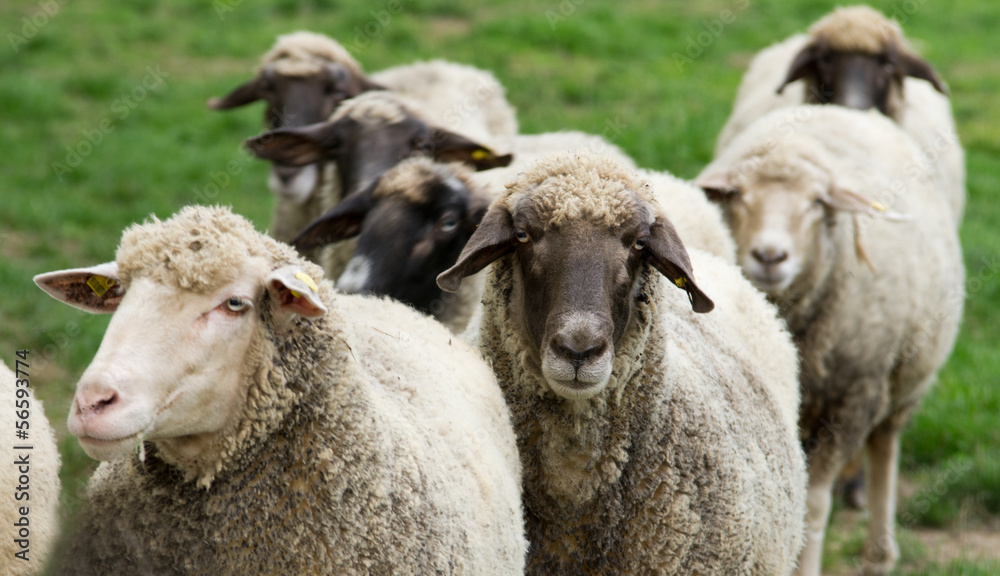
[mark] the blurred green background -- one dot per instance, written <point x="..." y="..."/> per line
<point x="103" y="122"/>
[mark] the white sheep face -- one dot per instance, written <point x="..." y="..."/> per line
<point x="172" y="366"/>
<point x="779" y="222"/>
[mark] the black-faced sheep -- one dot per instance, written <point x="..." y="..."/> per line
<point x="861" y="256"/>
<point x="857" y="58"/>
<point x="29" y="477"/>
<point x="256" y="422"/>
<point x="365" y="137"/>
<point x="654" y="440"/>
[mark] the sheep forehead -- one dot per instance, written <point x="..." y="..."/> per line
<point x="857" y="29"/>
<point x="304" y="53"/>
<point x="373" y="109"/>
<point x="413" y="179"/>
<point x="565" y="187"/>
<point x="199" y="249"/>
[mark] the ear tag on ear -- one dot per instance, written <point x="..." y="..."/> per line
<point x="681" y="282"/>
<point x="308" y="281"/>
<point x="878" y="206"/>
<point x="100" y="284"/>
<point x="481" y="154"/>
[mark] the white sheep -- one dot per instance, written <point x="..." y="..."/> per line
<point x="861" y="256"/>
<point x="29" y="476"/>
<point x="858" y="58"/>
<point x="254" y="421"/>
<point x="654" y="440"/>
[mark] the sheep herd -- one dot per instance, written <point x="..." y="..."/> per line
<point x="465" y="350"/>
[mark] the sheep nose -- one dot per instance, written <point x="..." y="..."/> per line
<point x="286" y="173"/>
<point x="578" y="350"/>
<point x="769" y="255"/>
<point x="96" y="402"/>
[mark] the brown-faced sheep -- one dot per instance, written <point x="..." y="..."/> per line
<point x="861" y="256"/>
<point x="254" y="421"/>
<point x="654" y="440"/>
<point x="857" y="58"/>
<point x="29" y="477"/>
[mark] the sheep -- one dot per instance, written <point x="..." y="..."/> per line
<point x="366" y="136"/>
<point x="303" y="78"/>
<point x="29" y="477"/>
<point x="860" y="254"/>
<point x="858" y="58"/>
<point x="306" y="76"/>
<point x="654" y="438"/>
<point x="412" y="222"/>
<point x="253" y="421"/>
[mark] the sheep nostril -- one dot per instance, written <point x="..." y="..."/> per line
<point x="100" y="404"/>
<point x="578" y="355"/>
<point x="286" y="173"/>
<point x="769" y="255"/>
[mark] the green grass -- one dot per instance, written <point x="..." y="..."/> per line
<point x="603" y="68"/>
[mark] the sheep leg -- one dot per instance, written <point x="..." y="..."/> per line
<point x="819" y="496"/>
<point x="881" y="551"/>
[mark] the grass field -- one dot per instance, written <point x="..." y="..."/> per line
<point x="103" y="122"/>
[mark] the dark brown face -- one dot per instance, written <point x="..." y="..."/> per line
<point x="855" y="79"/>
<point x="405" y="238"/>
<point x="296" y="101"/>
<point x="364" y="151"/>
<point x="575" y="286"/>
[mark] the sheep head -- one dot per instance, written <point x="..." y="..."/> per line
<point x="303" y="79"/>
<point x="782" y="202"/>
<point x="579" y="232"/>
<point x="175" y="365"/>
<point x="367" y="136"/>
<point x="411" y="225"/>
<point x="858" y="58"/>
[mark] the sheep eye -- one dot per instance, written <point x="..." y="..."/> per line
<point x="521" y="236"/>
<point x="449" y="224"/>
<point x="235" y="304"/>
<point x="640" y="243"/>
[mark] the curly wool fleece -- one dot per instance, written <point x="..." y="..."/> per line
<point x="689" y="462"/>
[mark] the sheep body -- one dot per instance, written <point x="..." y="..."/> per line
<point x="689" y="463"/>
<point x="41" y="467"/>
<point x="872" y="325"/>
<point x="922" y="112"/>
<point x="367" y="441"/>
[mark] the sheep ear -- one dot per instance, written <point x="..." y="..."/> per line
<point x="294" y="292"/>
<point x="341" y="222"/>
<point x="494" y="238"/>
<point x="249" y="91"/>
<point x="96" y="289"/>
<point x="912" y="65"/>
<point x="804" y="64"/>
<point x="297" y="146"/>
<point x="840" y="198"/>
<point x="452" y="147"/>
<point x="666" y="253"/>
<point x="717" y="186"/>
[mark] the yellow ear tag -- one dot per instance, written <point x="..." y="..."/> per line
<point x="680" y="281"/>
<point x="309" y="281"/>
<point x="481" y="154"/>
<point x="878" y="206"/>
<point x="99" y="284"/>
